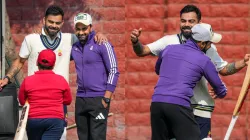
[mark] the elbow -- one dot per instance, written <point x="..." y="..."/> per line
<point x="68" y="102"/>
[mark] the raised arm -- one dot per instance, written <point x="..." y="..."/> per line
<point x="234" y="67"/>
<point x="139" y="49"/>
<point x="214" y="80"/>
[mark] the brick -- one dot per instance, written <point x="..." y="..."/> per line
<point x="149" y="78"/>
<point x="214" y="22"/>
<point x="139" y="92"/>
<point x="233" y="10"/>
<point x="114" y="3"/>
<point x="227" y="38"/>
<point x="146" y="132"/>
<point x="119" y="13"/>
<point x="132" y="132"/>
<point x="149" y="37"/>
<point x="119" y="94"/>
<point x="237" y="133"/>
<point x="117" y="40"/>
<point x="144" y="2"/>
<point x="173" y="10"/>
<point x="114" y="27"/>
<point x="67" y="27"/>
<point x="72" y="134"/>
<point x="121" y="66"/>
<point x="241" y="38"/>
<point x="72" y="79"/>
<point x="130" y="53"/>
<point x="117" y="121"/>
<point x="18" y="38"/>
<point x="135" y="119"/>
<point x="132" y="79"/>
<point x="21" y="27"/>
<point x="222" y="120"/>
<point x="224" y="106"/>
<point x="143" y="79"/>
<point x="117" y="106"/>
<point x="72" y="67"/>
<point x="137" y="106"/>
<point x="70" y="3"/>
<point x="43" y="3"/>
<point x="121" y="80"/>
<point x="234" y="80"/>
<point x="230" y="51"/>
<point x="120" y="54"/>
<point x="146" y="25"/>
<point x="235" y="24"/>
<point x="141" y="65"/>
<point x="217" y="132"/>
<point x="229" y="95"/>
<point x="11" y="3"/>
<point x="155" y="11"/>
<point x="172" y="25"/>
<point x="115" y="134"/>
<point x="92" y="2"/>
<point x="35" y="14"/>
<point x="14" y="14"/>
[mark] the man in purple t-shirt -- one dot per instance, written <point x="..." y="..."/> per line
<point x="180" y="67"/>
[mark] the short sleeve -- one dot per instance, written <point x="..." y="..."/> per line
<point x="215" y="58"/>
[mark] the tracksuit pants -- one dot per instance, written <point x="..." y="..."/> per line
<point x="45" y="129"/>
<point x="173" y="121"/>
<point x="91" y="118"/>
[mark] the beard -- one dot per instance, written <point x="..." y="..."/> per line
<point x="82" y="38"/>
<point x="52" y="31"/>
<point x="186" y="34"/>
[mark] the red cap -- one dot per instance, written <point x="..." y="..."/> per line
<point x="46" y="58"/>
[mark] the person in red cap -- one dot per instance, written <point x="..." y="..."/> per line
<point x="46" y="99"/>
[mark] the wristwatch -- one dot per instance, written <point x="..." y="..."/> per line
<point x="106" y="100"/>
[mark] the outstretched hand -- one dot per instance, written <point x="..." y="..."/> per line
<point x="135" y="35"/>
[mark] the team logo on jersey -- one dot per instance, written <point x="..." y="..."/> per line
<point x="59" y="52"/>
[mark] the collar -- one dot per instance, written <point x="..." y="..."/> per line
<point x="43" y="33"/>
<point x="182" y="39"/>
<point x="44" y="72"/>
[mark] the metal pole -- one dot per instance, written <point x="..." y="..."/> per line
<point x="2" y="46"/>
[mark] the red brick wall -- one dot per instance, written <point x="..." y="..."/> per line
<point x="116" y="19"/>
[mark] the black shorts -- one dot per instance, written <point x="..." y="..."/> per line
<point x="173" y="121"/>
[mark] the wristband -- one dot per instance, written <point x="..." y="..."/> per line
<point x="7" y="77"/>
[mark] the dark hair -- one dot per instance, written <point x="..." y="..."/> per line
<point x="41" y="66"/>
<point x="191" y="8"/>
<point x="54" y="10"/>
